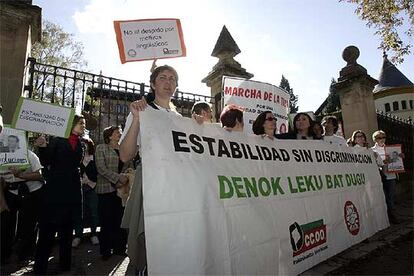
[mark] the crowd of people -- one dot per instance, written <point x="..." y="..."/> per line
<point x="71" y="184"/>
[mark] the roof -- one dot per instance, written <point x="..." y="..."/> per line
<point x="391" y="77"/>
<point x="225" y="43"/>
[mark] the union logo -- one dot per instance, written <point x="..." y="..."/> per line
<point x="351" y="217"/>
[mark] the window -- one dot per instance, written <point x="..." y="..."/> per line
<point x="387" y="107"/>
<point x="403" y="104"/>
<point x="395" y="106"/>
<point x="411" y="104"/>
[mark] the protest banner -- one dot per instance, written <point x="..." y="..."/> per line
<point x="146" y="39"/>
<point x="36" y="116"/>
<point x="396" y="164"/>
<point x="221" y="203"/>
<point x="13" y="148"/>
<point x="256" y="97"/>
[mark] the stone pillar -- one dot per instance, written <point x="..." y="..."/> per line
<point x="20" y="26"/>
<point x="225" y="50"/>
<point x="355" y="88"/>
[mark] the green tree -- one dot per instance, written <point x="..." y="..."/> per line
<point x="293" y="99"/>
<point x="333" y="103"/>
<point x="389" y="18"/>
<point x="58" y="48"/>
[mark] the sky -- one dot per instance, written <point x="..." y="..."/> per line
<point x="301" y="39"/>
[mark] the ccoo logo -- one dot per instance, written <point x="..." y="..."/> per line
<point x="351" y="217"/>
<point x="307" y="236"/>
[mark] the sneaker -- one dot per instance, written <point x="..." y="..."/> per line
<point x="94" y="240"/>
<point x="76" y="242"/>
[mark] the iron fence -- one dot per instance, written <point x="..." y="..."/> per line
<point x="399" y="131"/>
<point x="103" y="100"/>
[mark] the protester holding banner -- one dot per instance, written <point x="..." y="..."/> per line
<point x="23" y="191"/>
<point x="302" y="128"/>
<point x="163" y="83"/>
<point x="89" y="197"/>
<point x="231" y="118"/>
<point x="359" y="139"/>
<point x="265" y="125"/>
<point x="330" y="127"/>
<point x="389" y="179"/>
<point x="62" y="195"/>
<point x="110" y="177"/>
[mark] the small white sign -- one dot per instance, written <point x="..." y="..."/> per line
<point x="13" y="148"/>
<point x="43" y="118"/>
<point x="146" y="39"/>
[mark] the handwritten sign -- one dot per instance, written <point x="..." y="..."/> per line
<point x="146" y="39"/>
<point x="13" y="148"/>
<point x="44" y="118"/>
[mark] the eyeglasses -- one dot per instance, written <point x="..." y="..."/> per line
<point x="271" y="119"/>
<point x="382" y="137"/>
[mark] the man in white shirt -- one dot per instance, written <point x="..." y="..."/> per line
<point x="330" y="127"/>
<point x="22" y="192"/>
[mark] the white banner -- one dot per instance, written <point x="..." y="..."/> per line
<point x="145" y="39"/>
<point x="36" y="116"/>
<point x="219" y="202"/>
<point x="257" y="97"/>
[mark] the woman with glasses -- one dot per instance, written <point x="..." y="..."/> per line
<point x="389" y="180"/>
<point x="359" y="139"/>
<point x="265" y="125"/>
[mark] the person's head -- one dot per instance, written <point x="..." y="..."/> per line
<point x="265" y="123"/>
<point x="379" y="137"/>
<point x="317" y="129"/>
<point x="13" y="142"/>
<point x="330" y="125"/>
<point x="394" y="155"/>
<point x="203" y="109"/>
<point x="112" y="134"/>
<point x="359" y="138"/>
<point x="163" y="82"/>
<point x="282" y="128"/>
<point x="90" y="146"/>
<point x="303" y="123"/>
<point x="231" y="118"/>
<point x="78" y="125"/>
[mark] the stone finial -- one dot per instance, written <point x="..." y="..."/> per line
<point x="350" y="55"/>
<point x="352" y="68"/>
<point x="225" y="44"/>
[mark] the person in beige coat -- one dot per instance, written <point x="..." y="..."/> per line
<point x="113" y="238"/>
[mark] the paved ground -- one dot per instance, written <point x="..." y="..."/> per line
<point x="389" y="252"/>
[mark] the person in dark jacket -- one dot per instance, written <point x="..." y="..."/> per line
<point x="62" y="195"/>
<point x="302" y="129"/>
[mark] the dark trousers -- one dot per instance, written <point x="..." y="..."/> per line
<point x="389" y="191"/>
<point x="112" y="236"/>
<point x="19" y="224"/>
<point x="55" y="218"/>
